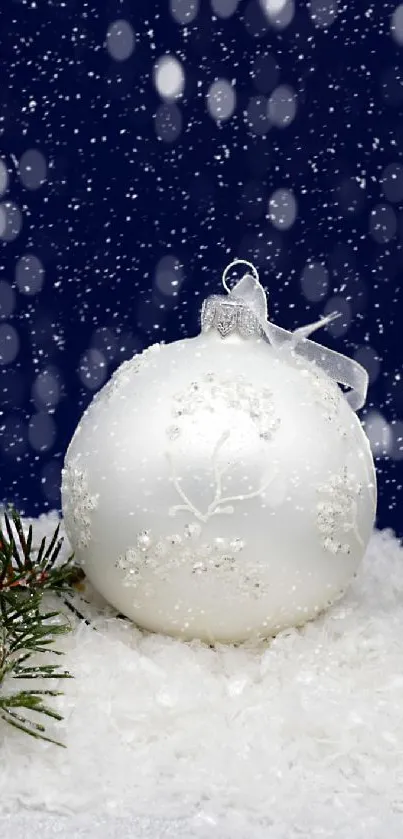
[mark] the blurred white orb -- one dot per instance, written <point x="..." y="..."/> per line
<point x="29" y="274"/>
<point x="221" y="100"/>
<point x="7" y="299"/>
<point x="340" y="325"/>
<point x="92" y="370"/>
<point x="382" y="223"/>
<point x="184" y="11"/>
<point x="396" y="25"/>
<point x="279" y="12"/>
<point x="368" y="358"/>
<point x="168" y="275"/>
<point x="283" y="209"/>
<point x="169" y="78"/>
<point x="46" y="390"/>
<point x="379" y="433"/>
<point x="32" y="169"/>
<point x="282" y="106"/>
<point x="10" y="221"/>
<point x="314" y="281"/>
<point x="120" y="40"/>
<point x="168" y="122"/>
<point x="9" y="343"/>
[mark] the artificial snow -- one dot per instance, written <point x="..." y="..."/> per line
<point x="299" y="737"/>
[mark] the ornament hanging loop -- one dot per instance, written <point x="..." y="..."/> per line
<point x="232" y="264"/>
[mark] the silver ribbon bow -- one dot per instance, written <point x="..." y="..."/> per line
<point x="249" y="293"/>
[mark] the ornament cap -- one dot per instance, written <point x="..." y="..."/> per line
<point x="233" y="313"/>
<point x="229" y="316"/>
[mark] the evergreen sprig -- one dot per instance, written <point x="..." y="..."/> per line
<point x="26" y="630"/>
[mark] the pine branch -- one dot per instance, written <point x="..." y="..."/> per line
<point x="26" y="630"/>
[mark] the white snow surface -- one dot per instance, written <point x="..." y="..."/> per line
<point x="299" y="737"/>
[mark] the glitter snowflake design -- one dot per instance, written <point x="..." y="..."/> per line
<point x="336" y="512"/>
<point x="78" y="503"/>
<point x="210" y="393"/>
<point x="203" y="559"/>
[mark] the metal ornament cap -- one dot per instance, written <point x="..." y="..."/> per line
<point x="227" y="316"/>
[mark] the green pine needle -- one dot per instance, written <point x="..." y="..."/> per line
<point x="26" y="630"/>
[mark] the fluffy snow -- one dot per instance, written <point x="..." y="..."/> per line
<point x="299" y="737"/>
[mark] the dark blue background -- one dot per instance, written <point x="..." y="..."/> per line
<point x="117" y="199"/>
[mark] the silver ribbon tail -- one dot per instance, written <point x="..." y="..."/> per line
<point x="340" y="368"/>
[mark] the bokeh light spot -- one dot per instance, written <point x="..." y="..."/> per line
<point x="169" y="78"/>
<point x="168" y="276"/>
<point x="368" y="358"/>
<point x="379" y="433"/>
<point x="168" y="122"/>
<point x="46" y="390"/>
<point x="184" y="11"/>
<point x="10" y="221"/>
<point x="7" y="299"/>
<point x="120" y="40"/>
<point x="382" y="223"/>
<point x="32" y="169"/>
<point x="279" y="12"/>
<point x="221" y="100"/>
<point x="396" y="25"/>
<point x="339" y="326"/>
<point x="9" y="343"/>
<point x="92" y="370"/>
<point x="29" y="274"/>
<point x="282" y="209"/>
<point x="282" y="106"/>
<point x="314" y="282"/>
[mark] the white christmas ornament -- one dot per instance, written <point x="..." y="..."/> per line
<point x="221" y="487"/>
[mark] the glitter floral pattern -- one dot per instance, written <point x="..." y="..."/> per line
<point x="78" y="503"/>
<point x="209" y="394"/>
<point x="212" y="391"/>
<point x="336" y="512"/>
<point x="221" y="557"/>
